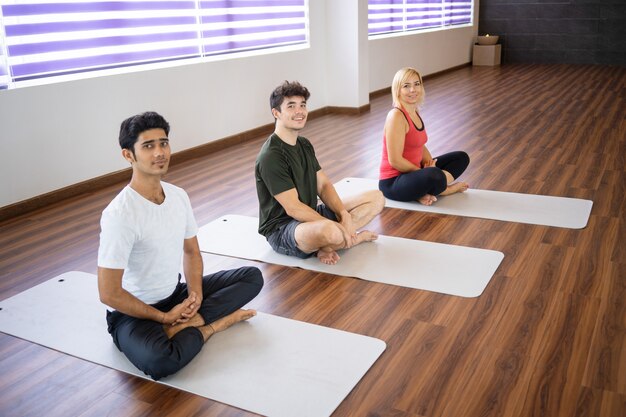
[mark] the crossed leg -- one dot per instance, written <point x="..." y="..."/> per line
<point x="453" y="187"/>
<point x="159" y="353"/>
<point x="224" y="293"/>
<point x="210" y="329"/>
<point x="453" y="164"/>
<point x="326" y="236"/>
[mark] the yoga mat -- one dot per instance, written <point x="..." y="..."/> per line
<point x="571" y="213"/>
<point x="448" y="269"/>
<point x="268" y="365"/>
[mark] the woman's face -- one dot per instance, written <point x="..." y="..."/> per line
<point x="411" y="90"/>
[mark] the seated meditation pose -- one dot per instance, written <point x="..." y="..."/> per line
<point x="289" y="180"/>
<point x="159" y="322"/>
<point x="408" y="172"/>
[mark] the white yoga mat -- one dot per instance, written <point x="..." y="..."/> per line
<point x="571" y="213"/>
<point x="268" y="365"/>
<point x="448" y="269"/>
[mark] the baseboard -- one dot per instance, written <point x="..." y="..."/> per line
<point x="447" y="70"/>
<point x="381" y="92"/>
<point x="44" y="200"/>
<point x="218" y="145"/>
<point x="353" y="111"/>
<point x="56" y="196"/>
<point x="387" y="90"/>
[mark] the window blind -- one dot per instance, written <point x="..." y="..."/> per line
<point x="385" y="16"/>
<point x="4" y="70"/>
<point x="229" y="26"/>
<point x="388" y="16"/>
<point x="457" y="12"/>
<point x="45" y="38"/>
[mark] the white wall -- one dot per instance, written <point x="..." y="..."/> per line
<point x="427" y="52"/>
<point x="347" y="55"/>
<point x="60" y="134"/>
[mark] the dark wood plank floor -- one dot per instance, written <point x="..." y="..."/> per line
<point x="546" y="338"/>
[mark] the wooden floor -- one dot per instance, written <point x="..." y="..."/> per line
<point x="546" y="338"/>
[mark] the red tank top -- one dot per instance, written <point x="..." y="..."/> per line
<point x="414" y="142"/>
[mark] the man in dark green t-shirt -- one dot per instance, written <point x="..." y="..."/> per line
<point x="289" y="180"/>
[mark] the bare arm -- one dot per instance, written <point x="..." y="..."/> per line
<point x="295" y="208"/>
<point x="115" y="296"/>
<point x="396" y="128"/>
<point x="328" y="195"/>
<point x="193" y="267"/>
<point x="427" y="158"/>
<point x="303" y="213"/>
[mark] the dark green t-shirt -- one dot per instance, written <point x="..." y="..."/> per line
<point x="280" y="167"/>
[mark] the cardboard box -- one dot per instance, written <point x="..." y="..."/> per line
<point x="486" y="54"/>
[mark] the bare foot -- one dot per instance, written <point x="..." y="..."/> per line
<point x="195" y="321"/>
<point x="457" y="187"/>
<point x="427" y="200"/>
<point x="235" y="317"/>
<point x="225" y="322"/>
<point x="329" y="257"/>
<point x="365" y="236"/>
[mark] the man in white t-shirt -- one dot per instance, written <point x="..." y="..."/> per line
<point x="158" y="322"/>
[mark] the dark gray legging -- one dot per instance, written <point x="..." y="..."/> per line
<point x="145" y="343"/>
<point x="413" y="185"/>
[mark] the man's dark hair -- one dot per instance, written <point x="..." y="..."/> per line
<point x="287" y="89"/>
<point x="132" y="127"/>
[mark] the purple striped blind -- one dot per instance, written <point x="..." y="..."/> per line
<point x="47" y="38"/>
<point x="4" y="70"/>
<point x="388" y="16"/>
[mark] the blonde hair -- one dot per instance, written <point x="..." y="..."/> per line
<point x="400" y="78"/>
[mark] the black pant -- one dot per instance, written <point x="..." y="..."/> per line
<point x="145" y="343"/>
<point x="413" y="185"/>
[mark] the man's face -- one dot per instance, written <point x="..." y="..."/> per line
<point x="152" y="153"/>
<point x="293" y="113"/>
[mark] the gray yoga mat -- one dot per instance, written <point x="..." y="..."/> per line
<point x="448" y="269"/>
<point x="268" y="365"/>
<point x="571" y="213"/>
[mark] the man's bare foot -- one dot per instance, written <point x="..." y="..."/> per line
<point x="235" y="317"/>
<point x="329" y="257"/>
<point x="457" y="187"/>
<point x="365" y="236"/>
<point x="225" y="322"/>
<point x="195" y="321"/>
<point x="427" y="200"/>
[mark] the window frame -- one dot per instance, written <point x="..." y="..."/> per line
<point x="405" y="30"/>
<point x="239" y="28"/>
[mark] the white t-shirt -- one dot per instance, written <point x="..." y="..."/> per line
<point x="146" y="240"/>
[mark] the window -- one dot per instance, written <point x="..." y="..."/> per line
<point x="388" y="16"/>
<point x="4" y="70"/>
<point x="48" y="38"/>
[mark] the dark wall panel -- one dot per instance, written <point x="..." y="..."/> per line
<point x="557" y="31"/>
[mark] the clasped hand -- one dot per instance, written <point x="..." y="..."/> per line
<point x="184" y="311"/>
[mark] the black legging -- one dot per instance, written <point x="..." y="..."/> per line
<point x="413" y="185"/>
<point x="145" y="343"/>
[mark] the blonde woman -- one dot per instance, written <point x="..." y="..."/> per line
<point x="408" y="172"/>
